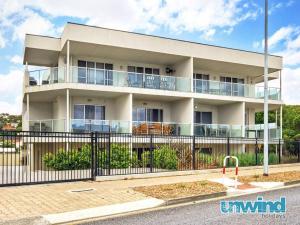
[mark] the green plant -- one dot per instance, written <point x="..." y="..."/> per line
<point x="119" y="157"/>
<point x="7" y="144"/>
<point x="164" y="157"/>
<point x="209" y="160"/>
<point x="245" y="159"/>
<point x="69" y="160"/>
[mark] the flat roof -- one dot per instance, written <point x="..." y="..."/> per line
<point x="156" y="36"/>
<point x="168" y="38"/>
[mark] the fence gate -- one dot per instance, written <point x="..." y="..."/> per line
<point x="42" y="157"/>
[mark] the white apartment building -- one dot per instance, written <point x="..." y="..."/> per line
<point x="105" y="80"/>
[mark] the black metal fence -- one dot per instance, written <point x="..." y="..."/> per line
<point x="40" y="157"/>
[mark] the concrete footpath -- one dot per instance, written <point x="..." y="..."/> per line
<point x="63" y="202"/>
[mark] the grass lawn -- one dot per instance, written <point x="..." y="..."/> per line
<point x="273" y="177"/>
<point x="180" y="190"/>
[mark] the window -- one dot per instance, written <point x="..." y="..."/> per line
<point x="201" y="83"/>
<point x="89" y="112"/>
<point x="78" y="111"/>
<point x="232" y="86"/>
<point x="149" y="115"/>
<point x="203" y="117"/>
<point x="135" y="76"/>
<point x="95" y="72"/>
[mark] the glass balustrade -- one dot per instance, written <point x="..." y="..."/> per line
<point x="48" y="125"/>
<point x="257" y="130"/>
<point x="129" y="79"/>
<point x="233" y="89"/>
<point x="47" y="76"/>
<point x="218" y="130"/>
<point x="103" y="126"/>
<point x="95" y="76"/>
<point x="160" y="128"/>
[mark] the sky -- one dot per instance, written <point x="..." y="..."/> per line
<point x="228" y="23"/>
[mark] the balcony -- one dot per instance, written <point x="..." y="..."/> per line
<point x="218" y="130"/>
<point x="257" y="130"/>
<point x="128" y="79"/>
<point x="115" y="78"/>
<point x="103" y="126"/>
<point x="160" y="128"/>
<point x="233" y="89"/>
<point x="49" y="125"/>
<point x="47" y="76"/>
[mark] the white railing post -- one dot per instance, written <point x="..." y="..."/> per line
<point x="236" y="168"/>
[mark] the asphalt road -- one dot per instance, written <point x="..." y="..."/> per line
<point x="209" y="213"/>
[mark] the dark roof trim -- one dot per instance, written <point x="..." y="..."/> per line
<point x="37" y="35"/>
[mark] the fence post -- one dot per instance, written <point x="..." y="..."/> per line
<point x="256" y="152"/>
<point x="92" y="157"/>
<point x="108" y="154"/>
<point x="278" y="151"/>
<point x="194" y="152"/>
<point x="298" y="143"/>
<point x="96" y="153"/>
<point x="151" y="153"/>
<point x="228" y="149"/>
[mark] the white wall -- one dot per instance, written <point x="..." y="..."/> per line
<point x="40" y="110"/>
<point x="184" y="68"/>
<point x="233" y="114"/>
<point x="123" y="107"/>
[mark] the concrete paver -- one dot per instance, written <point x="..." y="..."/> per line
<point x="36" y="200"/>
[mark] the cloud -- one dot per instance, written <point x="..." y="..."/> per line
<point x="13" y="107"/>
<point x="33" y="23"/>
<point x="204" y="16"/>
<point x="2" y="41"/>
<point x="10" y="91"/>
<point x="289" y="48"/>
<point x="290" y="85"/>
<point x="16" y="59"/>
<point x="284" y="35"/>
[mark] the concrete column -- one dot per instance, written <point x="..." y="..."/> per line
<point x="68" y="110"/>
<point x="68" y="61"/>
<point x="280" y="122"/>
<point x="280" y="84"/>
<point x="28" y="112"/>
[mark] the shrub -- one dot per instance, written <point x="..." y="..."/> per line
<point x="69" y="160"/>
<point x="273" y="158"/>
<point x="7" y="144"/>
<point x="164" y="157"/>
<point x="120" y="158"/>
<point x="245" y="159"/>
<point x="209" y="160"/>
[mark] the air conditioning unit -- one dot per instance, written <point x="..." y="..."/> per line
<point x="169" y="70"/>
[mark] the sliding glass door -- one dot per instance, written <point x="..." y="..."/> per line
<point x="89" y="118"/>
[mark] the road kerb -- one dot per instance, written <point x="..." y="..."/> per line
<point x="176" y="201"/>
<point x="102" y="211"/>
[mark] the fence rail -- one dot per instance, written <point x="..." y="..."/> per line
<point x="41" y="157"/>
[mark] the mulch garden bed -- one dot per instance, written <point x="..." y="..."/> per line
<point x="181" y="190"/>
<point x="273" y="177"/>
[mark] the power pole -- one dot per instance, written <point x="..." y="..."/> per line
<point x="266" y="97"/>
